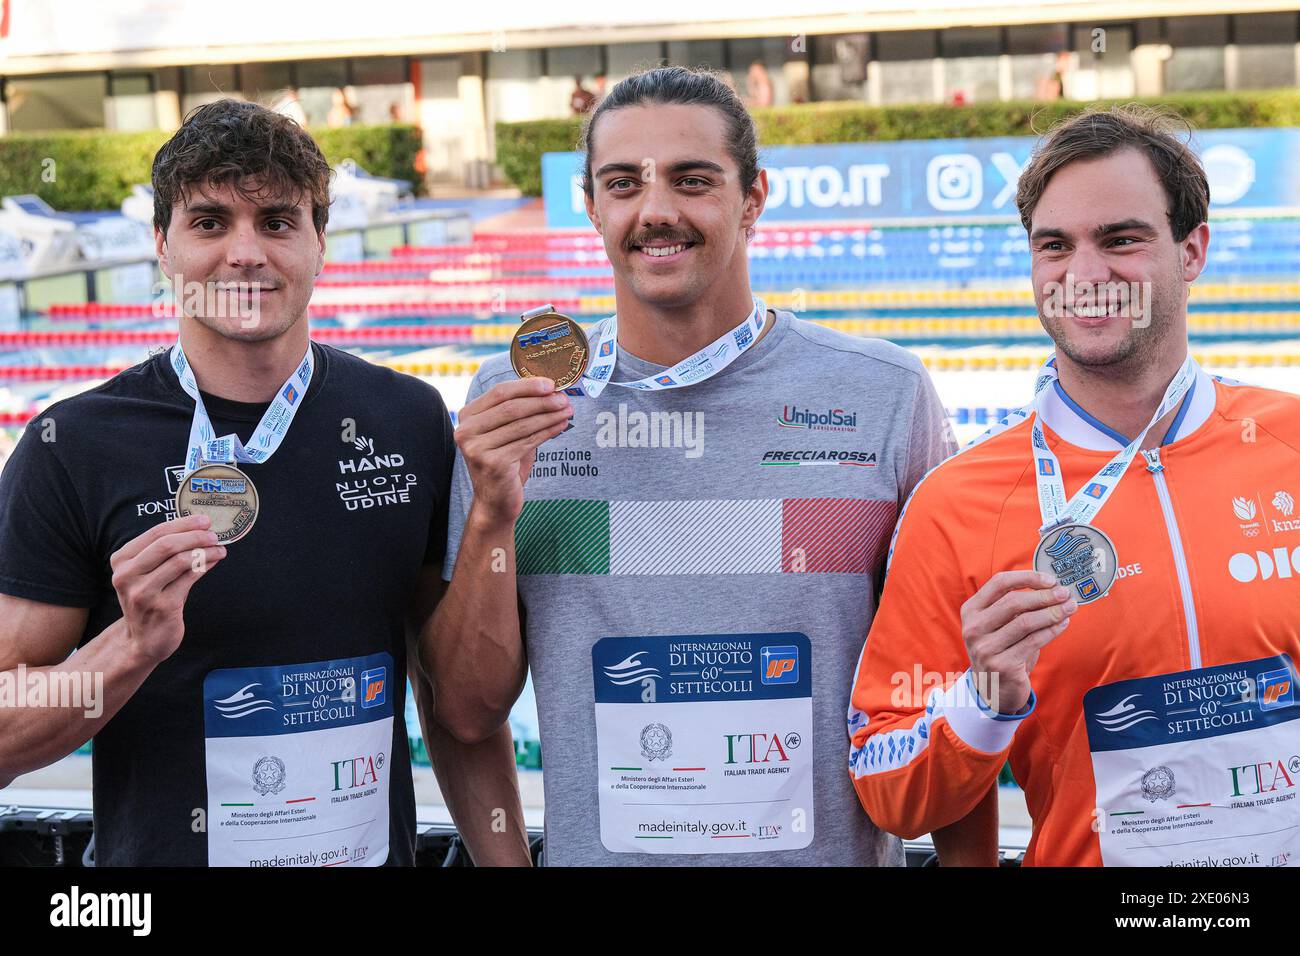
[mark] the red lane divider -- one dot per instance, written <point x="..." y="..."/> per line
<point x="511" y="307"/>
<point x="390" y="334"/>
<point x="116" y="310"/>
<point x="56" y="373"/>
<point x="587" y="239"/>
<point x="604" y="280"/>
<point x="468" y="261"/>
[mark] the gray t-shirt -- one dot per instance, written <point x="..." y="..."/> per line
<point x="681" y="556"/>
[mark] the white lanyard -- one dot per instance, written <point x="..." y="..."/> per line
<point x="705" y="363"/>
<point x="1088" y="500"/>
<point x="204" y="446"/>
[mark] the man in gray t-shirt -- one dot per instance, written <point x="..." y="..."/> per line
<point x="692" y="570"/>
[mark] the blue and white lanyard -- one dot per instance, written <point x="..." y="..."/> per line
<point x="705" y="363"/>
<point x="1088" y="500"/>
<point x="270" y="431"/>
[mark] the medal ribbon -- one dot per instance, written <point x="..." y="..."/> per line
<point x="705" y="363"/>
<point x="1089" y="499"/>
<point x="264" y="441"/>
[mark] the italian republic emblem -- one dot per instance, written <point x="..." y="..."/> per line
<point x="1158" y="784"/>
<point x="268" y="775"/>
<point x="656" y="742"/>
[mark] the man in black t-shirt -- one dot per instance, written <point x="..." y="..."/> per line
<point x="245" y="694"/>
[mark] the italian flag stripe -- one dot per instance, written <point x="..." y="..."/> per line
<point x="759" y="536"/>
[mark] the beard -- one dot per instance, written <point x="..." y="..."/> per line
<point x="1138" y="347"/>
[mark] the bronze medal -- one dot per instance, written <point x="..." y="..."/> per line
<point x="551" y="346"/>
<point x="223" y="493"/>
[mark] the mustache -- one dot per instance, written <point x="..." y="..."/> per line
<point x="671" y="237"/>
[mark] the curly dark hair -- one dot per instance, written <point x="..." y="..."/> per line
<point x="231" y="142"/>
<point x="1098" y="131"/>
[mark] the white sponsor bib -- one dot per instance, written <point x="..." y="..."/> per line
<point x="704" y="742"/>
<point x="1198" y="768"/>
<point x="298" y="763"/>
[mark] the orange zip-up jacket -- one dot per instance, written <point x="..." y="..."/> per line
<point x="1207" y="537"/>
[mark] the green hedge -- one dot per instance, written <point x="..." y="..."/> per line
<point x="387" y="150"/>
<point x="95" y="169"/>
<point x="520" y="145"/>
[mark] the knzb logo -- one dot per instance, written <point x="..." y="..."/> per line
<point x="780" y="664"/>
<point x="1284" y="503"/>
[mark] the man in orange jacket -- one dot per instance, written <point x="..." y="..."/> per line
<point x="1141" y="677"/>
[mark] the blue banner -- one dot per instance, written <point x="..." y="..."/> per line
<point x="1191" y="705"/>
<point x="291" y="698"/>
<point x="1247" y="168"/>
<point x="701" y="667"/>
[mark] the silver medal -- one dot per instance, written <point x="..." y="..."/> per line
<point x="1080" y="557"/>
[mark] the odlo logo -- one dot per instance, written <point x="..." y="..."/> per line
<point x="357" y="771"/>
<point x="1268" y="776"/>
<point x="1263" y="565"/>
<point x="760" y="748"/>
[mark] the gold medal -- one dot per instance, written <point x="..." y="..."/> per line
<point x="550" y="345"/>
<point x="223" y="493"/>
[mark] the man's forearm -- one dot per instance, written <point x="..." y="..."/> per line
<point x="471" y="647"/>
<point x="55" y="709"/>
<point x="481" y="786"/>
<point x="972" y="840"/>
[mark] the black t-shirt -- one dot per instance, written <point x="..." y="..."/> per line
<point x="353" y="504"/>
